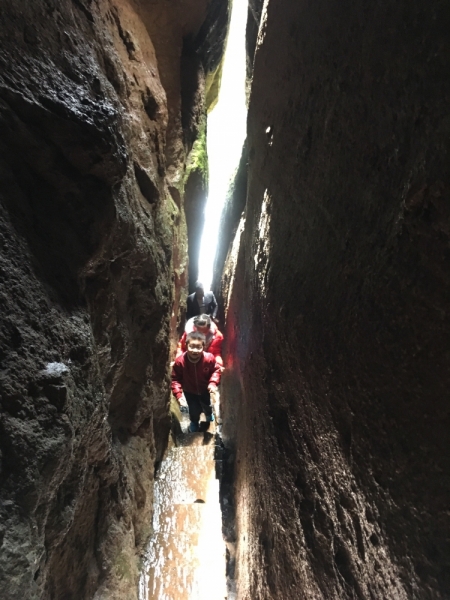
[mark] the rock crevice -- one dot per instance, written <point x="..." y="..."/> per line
<point x="93" y="150"/>
<point x="335" y="292"/>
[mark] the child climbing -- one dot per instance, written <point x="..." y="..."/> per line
<point x="213" y="337"/>
<point x="196" y="373"/>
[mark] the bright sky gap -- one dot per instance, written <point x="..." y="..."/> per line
<point x="225" y="137"/>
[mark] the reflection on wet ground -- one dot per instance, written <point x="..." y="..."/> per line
<point x="186" y="555"/>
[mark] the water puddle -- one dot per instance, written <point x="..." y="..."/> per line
<point x="186" y="556"/>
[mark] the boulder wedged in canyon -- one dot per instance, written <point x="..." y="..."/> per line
<point x="94" y="141"/>
<point x="336" y="296"/>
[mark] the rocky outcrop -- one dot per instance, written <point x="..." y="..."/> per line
<point x="96" y="127"/>
<point x="337" y="307"/>
<point x="196" y="190"/>
<point x="203" y="54"/>
<point x="232" y="212"/>
<point x="255" y="8"/>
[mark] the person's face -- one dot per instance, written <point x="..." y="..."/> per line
<point x="194" y="349"/>
<point x="199" y="292"/>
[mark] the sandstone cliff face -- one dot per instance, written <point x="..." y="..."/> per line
<point x="96" y="128"/>
<point x="336" y="298"/>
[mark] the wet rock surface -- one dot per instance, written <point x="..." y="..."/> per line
<point x="335" y="392"/>
<point x="93" y="275"/>
<point x="186" y="554"/>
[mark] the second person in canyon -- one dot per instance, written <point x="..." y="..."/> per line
<point x="196" y="374"/>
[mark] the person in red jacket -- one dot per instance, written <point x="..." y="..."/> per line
<point x="213" y="337"/>
<point x="196" y="374"/>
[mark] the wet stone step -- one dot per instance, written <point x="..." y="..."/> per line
<point x="185" y="559"/>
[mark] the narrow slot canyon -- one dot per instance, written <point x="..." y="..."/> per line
<point x="325" y="472"/>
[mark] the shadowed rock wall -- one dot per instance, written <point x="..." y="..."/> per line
<point x="94" y="138"/>
<point x="255" y="8"/>
<point x="229" y="221"/>
<point x="337" y="334"/>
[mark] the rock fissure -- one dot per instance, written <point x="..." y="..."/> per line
<point x="94" y="270"/>
<point x="331" y="296"/>
<point x="331" y="274"/>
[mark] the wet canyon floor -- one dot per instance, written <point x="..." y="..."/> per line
<point x="185" y="558"/>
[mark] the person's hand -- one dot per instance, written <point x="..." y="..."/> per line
<point x="182" y="401"/>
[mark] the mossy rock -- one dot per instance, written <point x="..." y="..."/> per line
<point x="175" y="415"/>
<point x="212" y="86"/>
<point x="198" y="157"/>
<point x="125" y="567"/>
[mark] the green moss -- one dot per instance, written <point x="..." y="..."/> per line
<point x="214" y="77"/>
<point x="123" y="567"/>
<point x="175" y="414"/>
<point x="175" y="408"/>
<point x="198" y="157"/>
<point x="212" y="86"/>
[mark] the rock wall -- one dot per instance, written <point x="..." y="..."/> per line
<point x="96" y="128"/>
<point x="232" y="212"/>
<point x="255" y="8"/>
<point x="337" y="287"/>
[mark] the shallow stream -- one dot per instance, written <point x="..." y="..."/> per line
<point x="186" y="555"/>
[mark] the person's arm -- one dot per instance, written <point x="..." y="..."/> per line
<point x="177" y="380"/>
<point x="213" y="304"/>
<point x="215" y="348"/>
<point x="190" y="312"/>
<point x="214" y="379"/>
<point x="219" y="360"/>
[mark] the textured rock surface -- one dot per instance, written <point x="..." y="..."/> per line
<point x="196" y="190"/>
<point x="337" y="311"/>
<point x="255" y="8"/>
<point x="94" y="136"/>
<point x="232" y="212"/>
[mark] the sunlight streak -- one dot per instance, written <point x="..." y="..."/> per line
<point x="225" y="137"/>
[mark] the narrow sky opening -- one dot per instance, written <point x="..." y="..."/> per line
<point x="225" y="137"/>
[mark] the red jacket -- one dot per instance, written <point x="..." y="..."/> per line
<point x="194" y="377"/>
<point x="214" y="346"/>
